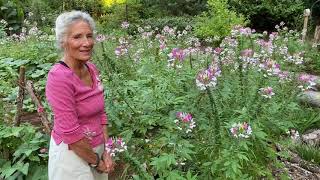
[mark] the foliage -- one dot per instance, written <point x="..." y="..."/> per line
<point x="218" y="21"/>
<point x="23" y="153"/>
<point x="151" y="77"/>
<point x="154" y="75"/>
<point x="312" y="66"/>
<point x="109" y="3"/>
<point x="12" y="12"/>
<point x="265" y="14"/>
<point x="160" y="8"/>
<point x="113" y="17"/>
<point x="35" y="51"/>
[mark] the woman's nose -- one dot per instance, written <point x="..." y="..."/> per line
<point x="87" y="41"/>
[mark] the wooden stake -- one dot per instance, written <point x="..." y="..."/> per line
<point x="20" y="95"/>
<point x="40" y="108"/>
<point x="306" y="15"/>
<point x="316" y="35"/>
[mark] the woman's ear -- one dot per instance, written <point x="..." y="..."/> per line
<point x="64" y="45"/>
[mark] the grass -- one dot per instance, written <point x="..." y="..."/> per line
<point x="308" y="152"/>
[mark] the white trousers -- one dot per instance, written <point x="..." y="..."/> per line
<point x="64" y="164"/>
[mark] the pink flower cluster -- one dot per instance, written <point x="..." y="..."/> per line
<point x="120" y="51"/>
<point x="241" y="130"/>
<point x="125" y="25"/>
<point x="306" y="81"/>
<point x="242" y="31"/>
<point x="270" y="67"/>
<point x="208" y="78"/>
<point x="185" y="121"/>
<point x="176" y="56"/>
<point x="266" y="92"/>
<point x="115" y="145"/>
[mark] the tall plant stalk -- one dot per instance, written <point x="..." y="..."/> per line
<point x="216" y="125"/>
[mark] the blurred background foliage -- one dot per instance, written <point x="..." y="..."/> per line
<point x="208" y="15"/>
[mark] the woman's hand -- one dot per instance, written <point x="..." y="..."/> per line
<point x="101" y="168"/>
<point x="108" y="162"/>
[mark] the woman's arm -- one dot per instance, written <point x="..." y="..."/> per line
<point x="83" y="149"/>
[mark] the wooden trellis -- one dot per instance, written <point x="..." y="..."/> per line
<point x="28" y="86"/>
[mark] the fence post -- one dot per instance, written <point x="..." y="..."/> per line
<point x="316" y="35"/>
<point x="40" y="108"/>
<point x="20" y="97"/>
<point x="306" y="15"/>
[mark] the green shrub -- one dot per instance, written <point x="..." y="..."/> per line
<point x="218" y="21"/>
<point x="12" y="12"/>
<point x="118" y="13"/>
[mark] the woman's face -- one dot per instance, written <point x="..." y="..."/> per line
<point x="79" y="41"/>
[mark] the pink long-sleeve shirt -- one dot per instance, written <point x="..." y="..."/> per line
<point x="78" y="109"/>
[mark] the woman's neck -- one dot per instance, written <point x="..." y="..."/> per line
<point x="77" y="66"/>
<point x="74" y="64"/>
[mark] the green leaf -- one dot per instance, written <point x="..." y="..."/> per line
<point x="163" y="162"/>
<point x="25" y="168"/>
<point x="174" y="175"/>
<point x="38" y="73"/>
<point x="135" y="177"/>
<point x="6" y="170"/>
<point x="207" y="164"/>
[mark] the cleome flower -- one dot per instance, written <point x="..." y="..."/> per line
<point x="176" y="56"/>
<point x="125" y="25"/>
<point x="120" y="51"/>
<point x="269" y="67"/>
<point x="241" y="130"/>
<point x="115" y="145"/>
<point x="185" y="122"/>
<point x="100" y="38"/>
<point x="266" y="92"/>
<point x="294" y="134"/>
<point x="306" y="81"/>
<point x="208" y="78"/>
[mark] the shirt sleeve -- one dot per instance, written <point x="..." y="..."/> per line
<point x="60" y="95"/>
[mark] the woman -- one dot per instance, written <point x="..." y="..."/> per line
<point x="75" y="95"/>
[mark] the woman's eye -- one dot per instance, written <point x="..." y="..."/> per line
<point x="77" y="37"/>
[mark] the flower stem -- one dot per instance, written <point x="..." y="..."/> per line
<point x="216" y="126"/>
<point x="190" y="60"/>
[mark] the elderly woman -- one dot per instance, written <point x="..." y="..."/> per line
<point x="75" y="95"/>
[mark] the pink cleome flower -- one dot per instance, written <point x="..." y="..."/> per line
<point x="241" y="130"/>
<point x="185" y="122"/>
<point x="266" y="92"/>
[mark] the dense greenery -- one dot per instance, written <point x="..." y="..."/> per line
<point x="261" y="15"/>
<point x="218" y="21"/>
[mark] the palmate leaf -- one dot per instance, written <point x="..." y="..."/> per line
<point x="37" y="172"/>
<point x="190" y="177"/>
<point x="174" y="175"/>
<point x="26" y="149"/>
<point x="163" y="162"/>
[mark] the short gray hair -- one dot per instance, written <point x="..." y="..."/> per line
<point x="66" y="19"/>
